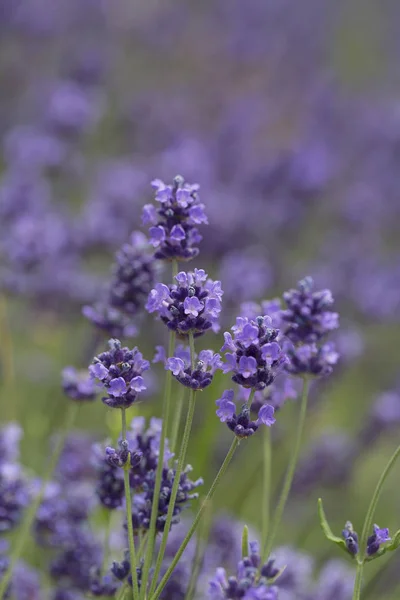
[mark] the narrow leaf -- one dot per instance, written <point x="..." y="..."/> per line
<point x="327" y="530"/>
<point x="245" y="542"/>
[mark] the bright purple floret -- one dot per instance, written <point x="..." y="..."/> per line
<point x="380" y="536"/>
<point x="242" y="424"/>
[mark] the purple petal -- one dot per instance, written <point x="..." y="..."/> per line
<point x="117" y="387"/>
<point x="266" y="415"/>
<point x="98" y="371"/>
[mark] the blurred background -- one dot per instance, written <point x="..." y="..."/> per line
<point x="288" y="116"/>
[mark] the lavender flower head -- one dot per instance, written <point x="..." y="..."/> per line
<point x="241" y="423"/>
<point x="120" y="371"/>
<point x="173" y="231"/>
<point x="254" y="354"/>
<point x="308" y="317"/>
<point x="198" y="377"/>
<point x="193" y="305"/>
<point x="78" y="385"/>
<point x="133" y="277"/>
<point x="310" y="359"/>
<point x="251" y="581"/>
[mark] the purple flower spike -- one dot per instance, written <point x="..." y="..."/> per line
<point x="201" y="375"/>
<point x="246" y="583"/>
<point x="173" y="232"/>
<point x="121" y="374"/>
<point x="254" y="356"/>
<point x="193" y="304"/>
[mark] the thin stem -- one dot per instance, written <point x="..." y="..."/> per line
<point x="197" y="519"/>
<point x="369" y="521"/>
<point x="266" y="496"/>
<point x="24" y="531"/>
<point x="358" y="581"/>
<point x="157" y="484"/>
<point x="128" y="503"/>
<point x="121" y="592"/>
<point x="177" y="419"/>
<point x="289" y="473"/>
<point x="198" y="559"/>
<point x="177" y="476"/>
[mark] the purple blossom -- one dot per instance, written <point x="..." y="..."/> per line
<point x="198" y="377"/>
<point x="310" y="359"/>
<point x="250" y="582"/>
<point x="308" y="317"/>
<point x="191" y="305"/>
<point x="78" y="385"/>
<point x="241" y="424"/>
<point x="380" y="536"/>
<point x="173" y="232"/>
<point x="120" y="371"/>
<point x="255" y="356"/>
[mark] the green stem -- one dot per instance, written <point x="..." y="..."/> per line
<point x="128" y="503"/>
<point x="198" y="559"/>
<point x="197" y="519"/>
<point x="177" y="476"/>
<point x="24" y="531"/>
<point x="177" y="419"/>
<point x="358" y="581"/>
<point x="369" y="521"/>
<point x="289" y="474"/>
<point x="157" y="484"/>
<point x="266" y="496"/>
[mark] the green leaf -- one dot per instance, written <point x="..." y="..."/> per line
<point x="327" y="530"/>
<point x="245" y="542"/>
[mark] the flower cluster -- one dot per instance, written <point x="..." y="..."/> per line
<point x="374" y="542"/>
<point x="253" y="354"/>
<point x="120" y="371"/>
<point x="142" y="502"/>
<point x="242" y="424"/>
<point x="173" y="226"/>
<point x="192" y="305"/>
<point x="252" y="580"/>
<point x="133" y="277"/>
<point x="198" y="377"/>
<point x="306" y="320"/>
<point x="307" y="316"/>
<point x="14" y="489"/>
<point x="78" y="385"/>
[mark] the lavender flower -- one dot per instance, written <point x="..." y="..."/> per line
<point x="380" y="536"/>
<point x="201" y="375"/>
<point x="133" y="277"/>
<point x="241" y="424"/>
<point x="78" y="385"/>
<point x="351" y="538"/>
<point x="251" y="581"/>
<point x="254" y="356"/>
<point x="110" y="478"/>
<point x="192" y="305"/>
<point x="308" y="316"/>
<point x="310" y="359"/>
<point x="14" y="496"/>
<point x="120" y="371"/>
<point x="173" y="230"/>
<point x="142" y="502"/>
<point x="102" y="586"/>
<point x="147" y="443"/>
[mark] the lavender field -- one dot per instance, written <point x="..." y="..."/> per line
<point x="199" y="299"/>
